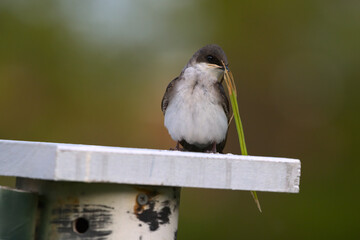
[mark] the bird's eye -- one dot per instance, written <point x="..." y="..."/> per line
<point x="210" y="58"/>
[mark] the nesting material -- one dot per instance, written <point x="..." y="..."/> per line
<point x="231" y="88"/>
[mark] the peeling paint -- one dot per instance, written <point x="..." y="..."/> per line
<point x="154" y="213"/>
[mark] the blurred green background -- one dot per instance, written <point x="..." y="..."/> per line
<point x="94" y="72"/>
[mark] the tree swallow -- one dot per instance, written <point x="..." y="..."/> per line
<point x="195" y="106"/>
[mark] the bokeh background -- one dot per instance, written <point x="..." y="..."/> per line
<point x="94" y="72"/>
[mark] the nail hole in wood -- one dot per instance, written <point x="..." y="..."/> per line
<point x="81" y="225"/>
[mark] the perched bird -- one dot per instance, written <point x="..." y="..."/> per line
<point x="195" y="106"/>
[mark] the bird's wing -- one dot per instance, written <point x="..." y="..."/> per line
<point x="168" y="95"/>
<point x="225" y="102"/>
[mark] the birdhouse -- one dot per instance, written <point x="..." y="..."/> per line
<point x="68" y="191"/>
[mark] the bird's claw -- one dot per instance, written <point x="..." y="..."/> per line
<point x="177" y="148"/>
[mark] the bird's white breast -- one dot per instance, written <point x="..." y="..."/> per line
<point x="195" y="114"/>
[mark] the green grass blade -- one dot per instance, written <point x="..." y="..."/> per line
<point x="230" y="84"/>
<point x="254" y="194"/>
<point x="241" y="135"/>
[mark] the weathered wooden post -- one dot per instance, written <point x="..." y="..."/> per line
<point x="96" y="192"/>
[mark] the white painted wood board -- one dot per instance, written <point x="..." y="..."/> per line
<point x="86" y="163"/>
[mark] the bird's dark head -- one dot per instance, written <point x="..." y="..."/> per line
<point x="212" y="55"/>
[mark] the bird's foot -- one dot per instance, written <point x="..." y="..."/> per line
<point x="213" y="149"/>
<point x="177" y="147"/>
